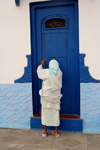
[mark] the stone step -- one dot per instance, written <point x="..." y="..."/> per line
<point x="66" y="124"/>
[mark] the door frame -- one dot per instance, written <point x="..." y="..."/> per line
<point x="33" y="7"/>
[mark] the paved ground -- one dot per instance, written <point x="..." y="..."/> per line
<point x="12" y="139"/>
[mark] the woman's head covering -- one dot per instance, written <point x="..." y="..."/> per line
<point x="53" y="67"/>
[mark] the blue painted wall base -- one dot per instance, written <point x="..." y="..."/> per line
<point x="68" y="125"/>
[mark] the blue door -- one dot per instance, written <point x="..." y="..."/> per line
<point x="56" y="38"/>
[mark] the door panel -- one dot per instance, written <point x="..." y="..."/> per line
<point x="59" y="43"/>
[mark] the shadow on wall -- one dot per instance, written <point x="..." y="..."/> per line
<point x="85" y="76"/>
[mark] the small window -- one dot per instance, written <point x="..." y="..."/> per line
<point x="55" y="23"/>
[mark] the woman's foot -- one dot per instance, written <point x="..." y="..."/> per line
<point x="44" y="134"/>
<point x="55" y="133"/>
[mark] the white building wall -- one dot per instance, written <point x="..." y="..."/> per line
<point x="89" y="32"/>
<point x="14" y="39"/>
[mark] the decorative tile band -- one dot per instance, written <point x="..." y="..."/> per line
<point x="85" y="76"/>
<point x="27" y="76"/>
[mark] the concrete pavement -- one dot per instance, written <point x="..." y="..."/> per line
<point x="14" y="139"/>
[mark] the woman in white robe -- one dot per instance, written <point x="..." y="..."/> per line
<point x="50" y="95"/>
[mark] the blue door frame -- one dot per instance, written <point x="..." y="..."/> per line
<point x="33" y="7"/>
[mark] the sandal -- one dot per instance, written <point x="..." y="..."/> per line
<point x="43" y="134"/>
<point x="54" y="134"/>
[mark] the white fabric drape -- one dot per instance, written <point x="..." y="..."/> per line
<point x="51" y="88"/>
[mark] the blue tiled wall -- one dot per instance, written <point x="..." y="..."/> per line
<point x="90" y="107"/>
<point x="15" y="105"/>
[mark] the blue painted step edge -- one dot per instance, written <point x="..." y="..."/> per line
<point x="67" y="125"/>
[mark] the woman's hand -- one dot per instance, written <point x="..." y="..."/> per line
<point x="42" y="62"/>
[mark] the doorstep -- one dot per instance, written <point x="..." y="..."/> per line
<point x="68" y="123"/>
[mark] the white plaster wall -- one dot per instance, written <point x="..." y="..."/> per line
<point x="14" y="39"/>
<point x="89" y="34"/>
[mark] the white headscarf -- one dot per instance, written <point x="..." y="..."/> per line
<point x="55" y="75"/>
<point x="53" y="67"/>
